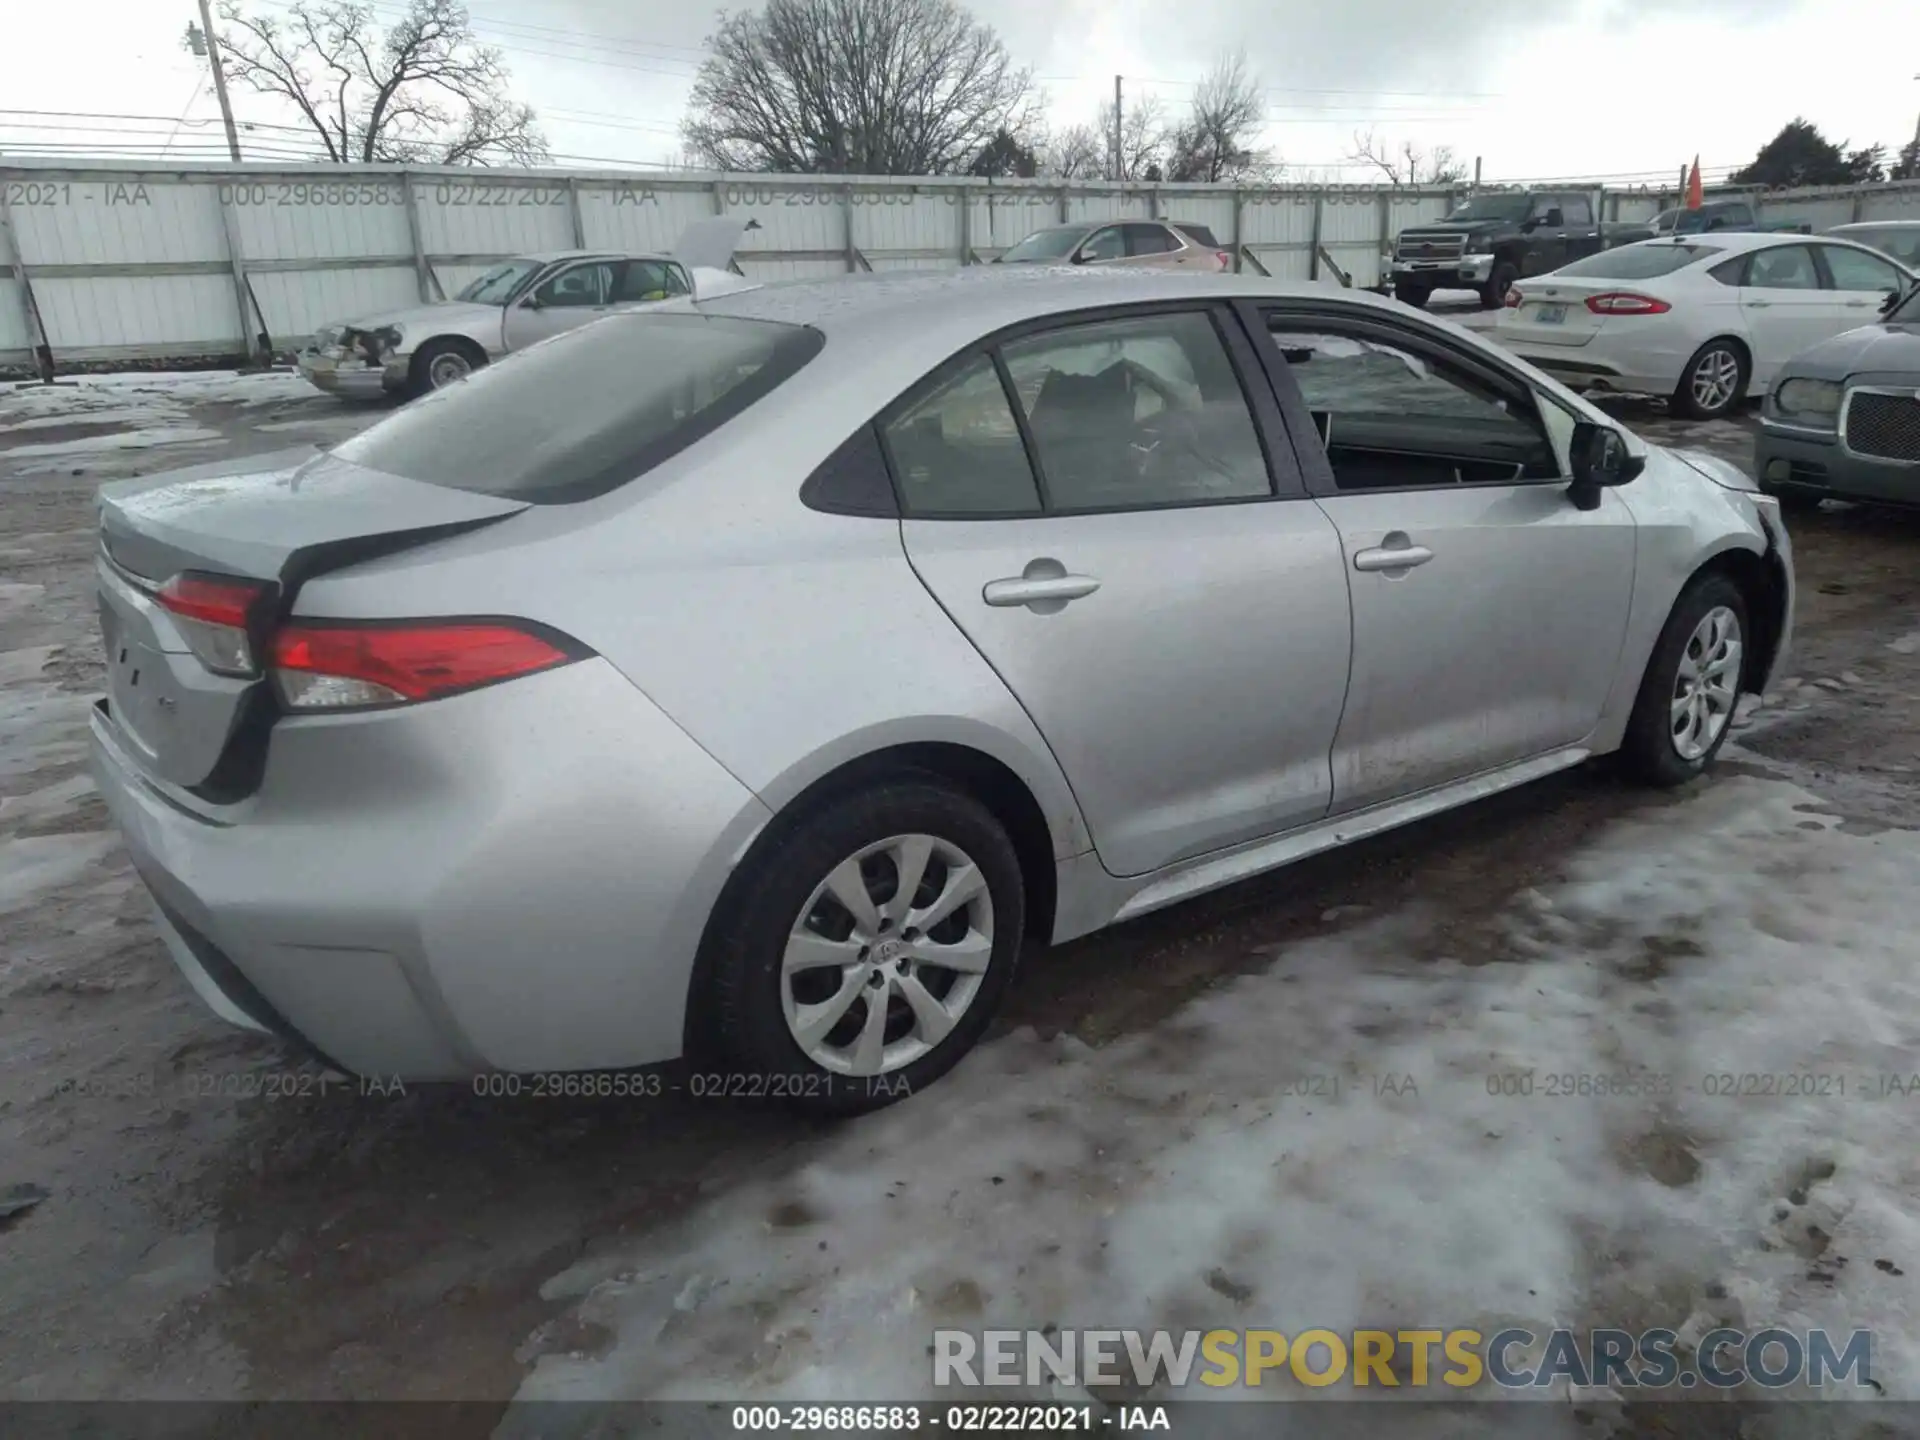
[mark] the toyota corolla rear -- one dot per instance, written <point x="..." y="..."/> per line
<point x="1624" y="320"/>
<point x="390" y="810"/>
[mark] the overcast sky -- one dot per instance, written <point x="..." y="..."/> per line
<point x="1537" y="88"/>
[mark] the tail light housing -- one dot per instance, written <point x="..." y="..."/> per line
<point x="1626" y="302"/>
<point x="1513" y="297"/>
<point x="217" y="615"/>
<point x="341" y="665"/>
<point x="1225" y="258"/>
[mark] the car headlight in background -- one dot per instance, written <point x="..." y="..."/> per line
<point x="1813" y="399"/>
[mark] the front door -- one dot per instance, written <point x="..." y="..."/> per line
<point x="1488" y="610"/>
<point x="1177" y="630"/>
<point x="571" y="296"/>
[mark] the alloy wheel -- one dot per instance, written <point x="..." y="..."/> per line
<point x="887" y="954"/>
<point x="1715" y="379"/>
<point x="1707" y="686"/>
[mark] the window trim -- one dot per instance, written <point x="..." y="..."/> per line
<point x="1284" y="478"/>
<point x="1311" y="453"/>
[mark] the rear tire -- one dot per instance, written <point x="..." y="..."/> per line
<point x="837" y="1012"/>
<point x="1498" y="283"/>
<point x="440" y="363"/>
<point x="1714" y="381"/>
<point x="1684" y="711"/>
<point x="1415" y="295"/>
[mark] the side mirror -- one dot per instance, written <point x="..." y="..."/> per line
<point x="1890" y="301"/>
<point x="1554" y="220"/>
<point x="1600" y="460"/>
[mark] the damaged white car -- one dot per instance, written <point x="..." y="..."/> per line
<point x="516" y="303"/>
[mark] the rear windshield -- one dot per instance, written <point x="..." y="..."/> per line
<point x="575" y="416"/>
<point x="1637" y="262"/>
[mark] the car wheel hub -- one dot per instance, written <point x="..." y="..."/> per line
<point x="447" y="369"/>
<point x="888" y="954"/>
<point x="1707" y="685"/>
<point x="1715" y="378"/>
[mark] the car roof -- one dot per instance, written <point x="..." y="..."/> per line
<point x="951" y="308"/>
<point x="1875" y="225"/>
<point x="547" y="257"/>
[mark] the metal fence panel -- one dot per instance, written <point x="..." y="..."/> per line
<point x="132" y="262"/>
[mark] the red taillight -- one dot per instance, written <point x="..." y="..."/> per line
<point x="1513" y="298"/>
<point x="214" y="615"/>
<point x="213" y="598"/>
<point x="343" y="666"/>
<point x="1225" y="258"/>
<point x="1625" y="302"/>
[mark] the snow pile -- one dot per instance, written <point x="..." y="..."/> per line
<point x="1325" y="1144"/>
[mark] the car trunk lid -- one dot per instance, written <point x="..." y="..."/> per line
<point x="1553" y="311"/>
<point x="274" y="521"/>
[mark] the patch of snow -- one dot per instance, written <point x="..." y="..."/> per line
<point x="120" y="440"/>
<point x="1907" y="644"/>
<point x="1326" y="1144"/>
<point x="32" y="867"/>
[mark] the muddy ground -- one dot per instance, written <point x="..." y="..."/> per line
<point x="199" y="1238"/>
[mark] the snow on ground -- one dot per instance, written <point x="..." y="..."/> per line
<point x="1207" y="1174"/>
<point x="91" y="397"/>
<point x="143" y="439"/>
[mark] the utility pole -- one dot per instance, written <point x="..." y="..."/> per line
<point x="1476" y="172"/>
<point x="1119" y="153"/>
<point x="219" y="81"/>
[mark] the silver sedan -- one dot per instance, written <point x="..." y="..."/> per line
<point x="752" y="680"/>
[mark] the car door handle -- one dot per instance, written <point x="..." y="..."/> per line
<point x="1403" y="557"/>
<point x="1857" y="304"/>
<point x="1031" y="590"/>
<point x="1758" y="304"/>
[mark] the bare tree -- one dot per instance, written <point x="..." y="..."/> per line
<point x="1143" y="140"/>
<point x="856" y="87"/>
<point x="422" y="91"/>
<point x="1076" y="153"/>
<point x="1215" y="142"/>
<point x="1409" y="164"/>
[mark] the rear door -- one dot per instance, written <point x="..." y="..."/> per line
<point x="1092" y="503"/>
<point x="1785" y="307"/>
<point x="1154" y="245"/>
<point x="1488" y="610"/>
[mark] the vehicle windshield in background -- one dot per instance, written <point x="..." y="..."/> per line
<point x="588" y="410"/>
<point x="1053" y="244"/>
<point x="1637" y="262"/>
<point x="1491" y="207"/>
<point x="496" y="287"/>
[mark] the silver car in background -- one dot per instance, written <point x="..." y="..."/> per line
<point x="513" y="304"/>
<point x="825" y="645"/>
<point x="1132" y="244"/>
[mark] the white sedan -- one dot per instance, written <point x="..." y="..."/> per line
<point x="1704" y="319"/>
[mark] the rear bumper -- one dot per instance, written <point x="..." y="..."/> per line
<point x="1794" y="461"/>
<point x="1582" y="367"/>
<point x="515" y="879"/>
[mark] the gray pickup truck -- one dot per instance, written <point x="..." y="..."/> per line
<point x="1492" y="239"/>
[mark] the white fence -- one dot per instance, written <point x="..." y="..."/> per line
<point x="106" y="261"/>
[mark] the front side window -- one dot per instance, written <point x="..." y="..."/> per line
<point x="1578" y="212"/>
<point x="1105" y="244"/>
<point x="1857" y="270"/>
<point x="1785" y="267"/>
<point x="1138" y="413"/>
<point x="588" y="410"/>
<point x="956" y="451"/>
<point x="1395" y="417"/>
<point x="578" y="285"/>
<point x="1056" y="243"/>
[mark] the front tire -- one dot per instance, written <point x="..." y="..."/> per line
<point x="1714" y="381"/>
<point x="1684" y="711"/>
<point x="440" y="363"/>
<point x="869" y="948"/>
<point x="1498" y="283"/>
<point x="1415" y="295"/>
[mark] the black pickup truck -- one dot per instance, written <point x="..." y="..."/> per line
<point x="1492" y="239"/>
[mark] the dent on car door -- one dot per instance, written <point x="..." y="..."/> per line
<point x="1488" y="609"/>
<point x="1093" y="505"/>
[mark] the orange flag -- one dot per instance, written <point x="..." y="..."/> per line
<point x="1694" y="196"/>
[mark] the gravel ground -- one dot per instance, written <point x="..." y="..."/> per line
<point x="192" y="1242"/>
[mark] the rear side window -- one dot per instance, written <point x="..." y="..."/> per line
<point x="589" y="410"/>
<point x="1637" y="262"/>
<point x="1199" y="234"/>
<point x="1150" y="240"/>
